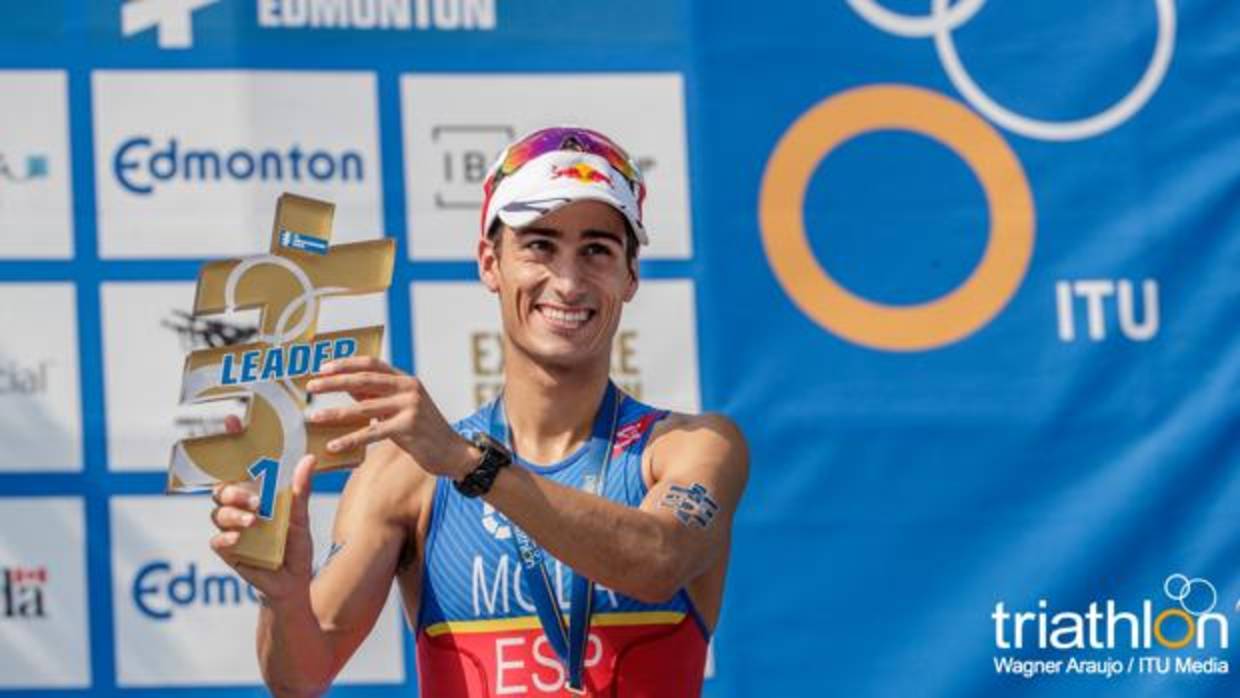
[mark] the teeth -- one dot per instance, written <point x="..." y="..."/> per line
<point x="572" y="317"/>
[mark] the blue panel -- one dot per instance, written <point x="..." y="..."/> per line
<point x="1066" y="450"/>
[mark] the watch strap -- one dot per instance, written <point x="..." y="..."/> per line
<point x="494" y="457"/>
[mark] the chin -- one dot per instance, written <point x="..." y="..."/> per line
<point x="562" y="358"/>
<point x="560" y="353"/>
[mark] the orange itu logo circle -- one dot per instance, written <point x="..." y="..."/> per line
<point x="932" y="324"/>
<point x="1190" y="629"/>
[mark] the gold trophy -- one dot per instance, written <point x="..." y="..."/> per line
<point x="285" y="285"/>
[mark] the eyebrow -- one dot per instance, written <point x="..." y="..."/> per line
<point x="588" y="233"/>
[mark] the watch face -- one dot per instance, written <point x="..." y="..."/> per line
<point x="488" y="443"/>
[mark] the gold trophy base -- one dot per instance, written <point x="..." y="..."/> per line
<point x="262" y="545"/>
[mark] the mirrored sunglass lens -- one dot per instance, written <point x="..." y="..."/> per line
<point x="548" y="140"/>
<point x="527" y="149"/>
<point x="619" y="159"/>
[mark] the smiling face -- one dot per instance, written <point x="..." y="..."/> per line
<point x="561" y="282"/>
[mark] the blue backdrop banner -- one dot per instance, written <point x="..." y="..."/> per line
<point x="964" y="272"/>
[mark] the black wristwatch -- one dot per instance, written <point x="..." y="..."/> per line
<point x="494" y="456"/>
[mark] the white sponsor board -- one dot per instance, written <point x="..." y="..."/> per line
<point x="458" y="351"/>
<point x="455" y="125"/>
<point x="44" y="629"/>
<point x="146" y="336"/>
<point x="190" y="164"/>
<point x="184" y="618"/>
<point x="40" y="412"/>
<point x="36" y="207"/>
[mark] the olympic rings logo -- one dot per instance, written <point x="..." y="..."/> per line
<point x="1009" y="247"/>
<point x="943" y="19"/>
<point x="1178" y="587"/>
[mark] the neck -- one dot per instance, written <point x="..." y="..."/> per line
<point x="550" y="410"/>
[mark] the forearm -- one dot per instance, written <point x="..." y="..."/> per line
<point x="622" y="548"/>
<point x="294" y="652"/>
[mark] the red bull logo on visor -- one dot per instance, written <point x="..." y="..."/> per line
<point x="580" y="172"/>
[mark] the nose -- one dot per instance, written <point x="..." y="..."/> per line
<point x="568" y="282"/>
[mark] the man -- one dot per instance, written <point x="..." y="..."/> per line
<point x="474" y="519"/>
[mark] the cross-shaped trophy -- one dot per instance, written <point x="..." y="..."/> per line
<point x="286" y="286"/>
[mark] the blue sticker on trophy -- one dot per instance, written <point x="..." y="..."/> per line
<point x="303" y="242"/>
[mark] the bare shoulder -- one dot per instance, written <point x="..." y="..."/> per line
<point x="388" y="486"/>
<point x="710" y="439"/>
<point x="710" y="429"/>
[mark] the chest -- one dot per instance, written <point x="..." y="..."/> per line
<point x="473" y="568"/>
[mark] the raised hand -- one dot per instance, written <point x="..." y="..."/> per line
<point x="399" y="408"/>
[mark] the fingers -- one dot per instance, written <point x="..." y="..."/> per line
<point x="366" y="383"/>
<point x="236" y="512"/>
<point x="232" y="518"/>
<point x="222" y="543"/>
<point x="236" y="494"/>
<point x="378" y="378"/>
<point x="232" y="424"/>
<point x="377" y="408"/>
<point x="235" y="507"/>
<point x="300" y="514"/>
<point x="366" y="435"/>
<point x="356" y="363"/>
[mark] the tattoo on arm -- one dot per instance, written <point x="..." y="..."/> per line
<point x="337" y="546"/>
<point x="693" y="505"/>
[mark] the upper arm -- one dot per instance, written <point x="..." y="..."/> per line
<point x="698" y="466"/>
<point x="371" y="529"/>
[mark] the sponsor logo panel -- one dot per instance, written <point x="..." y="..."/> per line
<point x="36" y="209"/>
<point x="455" y="126"/>
<point x="170" y="591"/>
<point x="189" y="165"/>
<point x="40" y="413"/>
<point x="1183" y="628"/>
<point x="148" y="330"/>
<point x="458" y="348"/>
<point x="43" y="621"/>
<point x="389" y="15"/>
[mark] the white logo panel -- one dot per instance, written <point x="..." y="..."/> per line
<point x="171" y="592"/>
<point x="36" y="209"/>
<point x="189" y="164"/>
<point x="43" y="622"/>
<point x="455" y="126"/>
<point x="147" y="331"/>
<point x="40" y="413"/>
<point x="458" y="349"/>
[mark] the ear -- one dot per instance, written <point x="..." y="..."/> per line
<point x="488" y="263"/>
<point x="631" y="289"/>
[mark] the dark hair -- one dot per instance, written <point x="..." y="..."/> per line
<point x="630" y="243"/>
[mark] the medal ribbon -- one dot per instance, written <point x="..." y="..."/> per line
<point x="568" y="642"/>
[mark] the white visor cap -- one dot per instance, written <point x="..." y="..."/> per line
<point x="555" y="179"/>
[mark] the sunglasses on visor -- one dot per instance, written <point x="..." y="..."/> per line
<point x="563" y="138"/>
